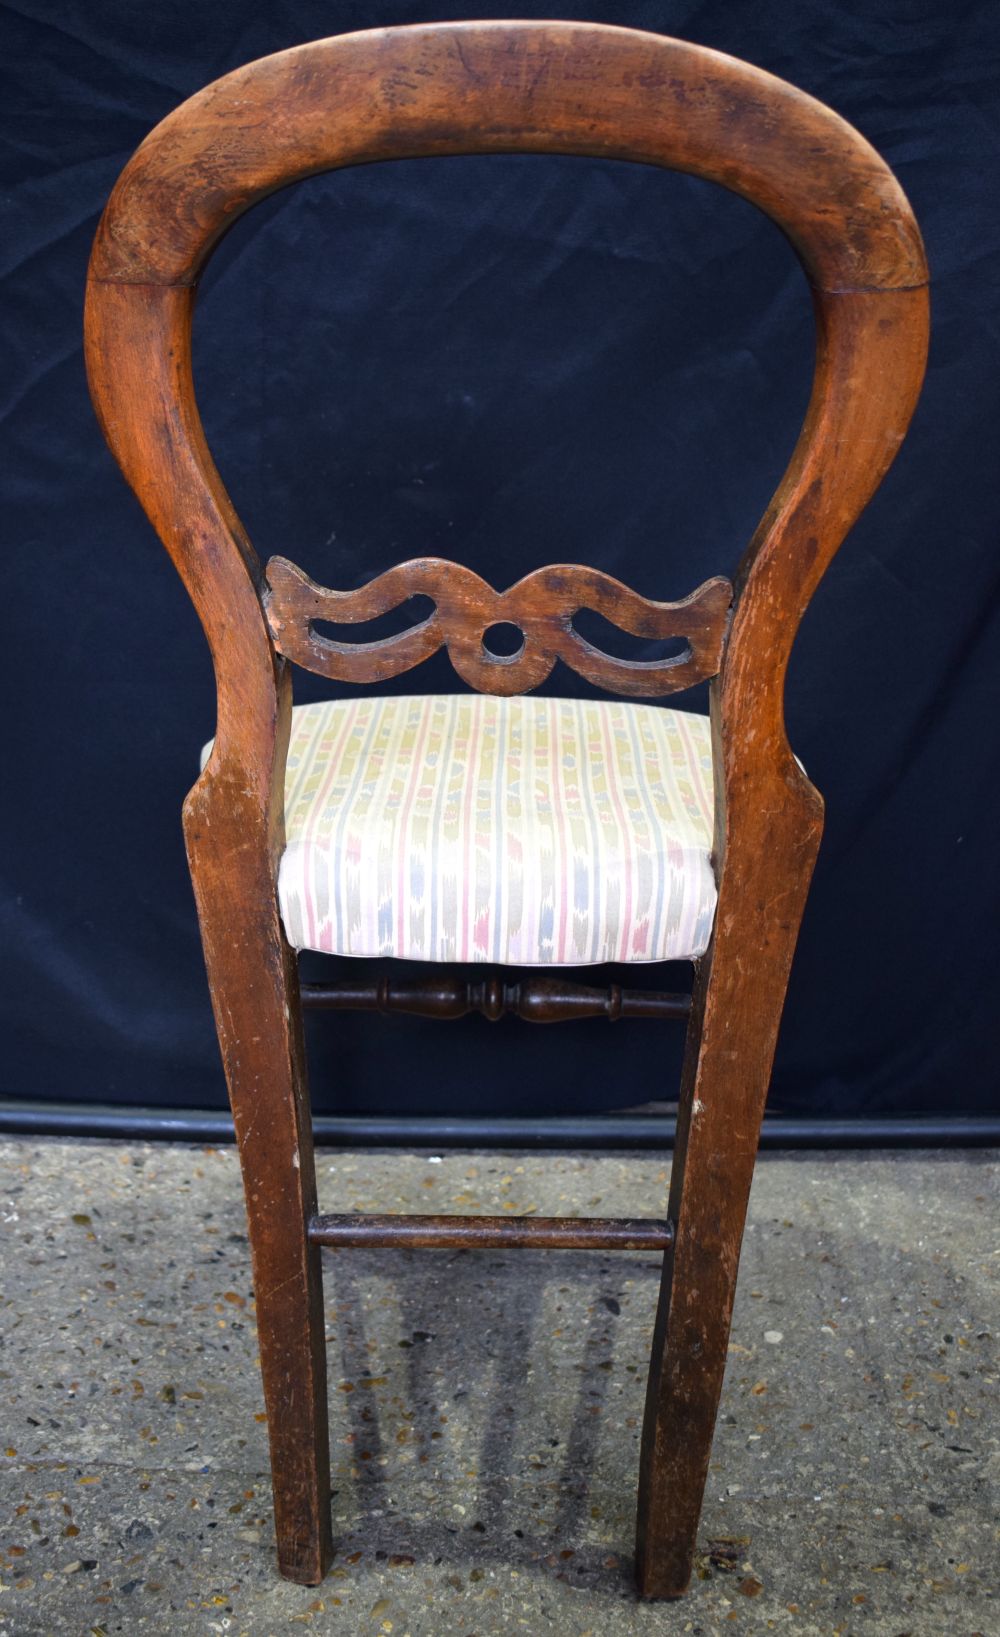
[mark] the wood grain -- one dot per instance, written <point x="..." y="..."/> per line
<point x="508" y="87"/>
<point x="571" y="88"/>
<point x="542" y="605"/>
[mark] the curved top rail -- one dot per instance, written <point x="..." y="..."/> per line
<point x="494" y="87"/>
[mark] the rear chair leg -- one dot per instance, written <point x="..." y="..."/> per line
<point x="730" y="1048"/>
<point x="254" y="988"/>
<point x="708" y="1196"/>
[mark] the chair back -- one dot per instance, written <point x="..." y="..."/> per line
<point x="506" y="87"/>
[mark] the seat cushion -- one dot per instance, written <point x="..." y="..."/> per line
<point x="524" y="831"/>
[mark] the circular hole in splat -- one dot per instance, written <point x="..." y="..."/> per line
<point x="503" y="640"/>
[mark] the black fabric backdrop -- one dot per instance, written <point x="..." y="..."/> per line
<point x="509" y="362"/>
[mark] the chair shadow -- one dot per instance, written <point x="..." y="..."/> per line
<point x="440" y="1350"/>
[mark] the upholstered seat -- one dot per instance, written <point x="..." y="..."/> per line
<point x="525" y="831"/>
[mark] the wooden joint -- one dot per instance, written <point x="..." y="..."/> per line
<point x="535" y="1000"/>
<point x="491" y="1232"/>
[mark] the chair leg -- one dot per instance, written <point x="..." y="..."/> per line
<point x="254" y="988"/>
<point x="730" y="1047"/>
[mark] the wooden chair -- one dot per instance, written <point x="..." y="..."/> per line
<point x="571" y="88"/>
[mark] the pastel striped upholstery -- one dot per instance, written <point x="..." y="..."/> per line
<point x="524" y="831"/>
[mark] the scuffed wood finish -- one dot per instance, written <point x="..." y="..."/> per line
<point x="508" y="87"/>
<point x="534" y="1000"/>
<point x="542" y="605"/>
<point x="490" y="1232"/>
<point x="573" y="88"/>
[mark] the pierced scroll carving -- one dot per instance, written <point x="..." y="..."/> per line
<point x="542" y="606"/>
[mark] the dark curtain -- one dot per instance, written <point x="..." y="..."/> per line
<point x="507" y="361"/>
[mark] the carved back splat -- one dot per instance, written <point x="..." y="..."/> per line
<point x="542" y="605"/>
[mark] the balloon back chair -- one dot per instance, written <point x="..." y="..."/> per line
<point x="446" y="828"/>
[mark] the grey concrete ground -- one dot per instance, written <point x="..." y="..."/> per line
<point x="486" y="1408"/>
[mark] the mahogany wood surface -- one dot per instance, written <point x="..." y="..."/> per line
<point x="574" y="88"/>
<point x="508" y="87"/>
<point x="542" y="605"/>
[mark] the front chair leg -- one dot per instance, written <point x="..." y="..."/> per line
<point x="255" y="996"/>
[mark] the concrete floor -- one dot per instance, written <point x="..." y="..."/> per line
<point x="486" y="1407"/>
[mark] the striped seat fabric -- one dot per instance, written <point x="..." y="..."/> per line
<point x="524" y="831"/>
